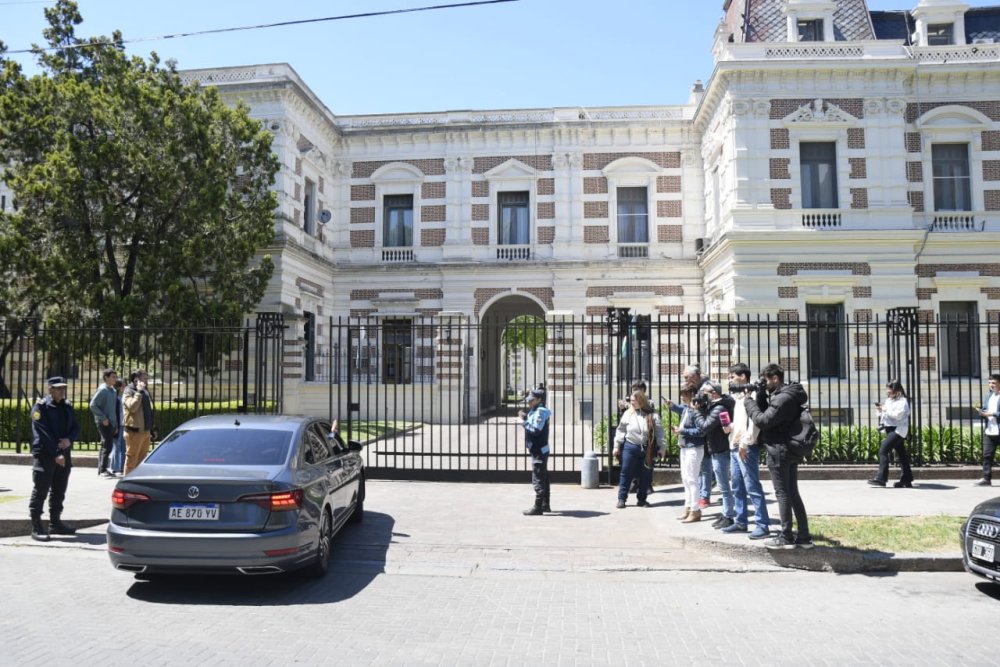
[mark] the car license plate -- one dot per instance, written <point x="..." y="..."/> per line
<point x="982" y="551"/>
<point x="195" y="512"/>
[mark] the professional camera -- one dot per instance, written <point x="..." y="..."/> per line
<point x="701" y="401"/>
<point x="735" y="388"/>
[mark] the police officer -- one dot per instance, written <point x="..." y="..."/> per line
<point x="536" y="439"/>
<point x="53" y="430"/>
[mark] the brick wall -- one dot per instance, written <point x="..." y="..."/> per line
<point x="430" y="238"/>
<point x="781" y="108"/>
<point x="781" y="198"/>
<point x="595" y="209"/>
<point x="859" y="167"/>
<point x="856" y="138"/>
<point x="668" y="184"/>
<point x="604" y="291"/>
<point x="483" y="164"/>
<point x="546" y="235"/>
<point x="433" y="190"/>
<point x="363" y="192"/>
<point x="669" y="233"/>
<point x="362" y="215"/>
<point x="596" y="234"/>
<point x="545" y="186"/>
<point x="480" y="212"/>
<point x="596" y="161"/>
<point x="780" y="140"/>
<point x="793" y="268"/>
<point x="669" y="209"/>
<point x="430" y="167"/>
<point x="546" y="210"/>
<point x="480" y="236"/>
<point x="363" y="238"/>
<point x="915" y="172"/>
<point x="432" y="213"/>
<point x="859" y="198"/>
<point x="480" y="188"/>
<point x="595" y="185"/>
<point x="779" y="168"/>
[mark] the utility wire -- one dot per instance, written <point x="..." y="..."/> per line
<point x="265" y="25"/>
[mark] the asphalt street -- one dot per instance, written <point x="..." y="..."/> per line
<point x="452" y="574"/>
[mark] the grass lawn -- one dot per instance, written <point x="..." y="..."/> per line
<point x="10" y="499"/>
<point x="923" y="534"/>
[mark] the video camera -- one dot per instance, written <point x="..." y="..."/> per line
<point x="736" y="388"/>
<point x="701" y="401"/>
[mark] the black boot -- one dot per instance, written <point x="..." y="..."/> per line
<point x="545" y="503"/>
<point x="536" y="510"/>
<point x="38" y="531"/>
<point x="57" y="527"/>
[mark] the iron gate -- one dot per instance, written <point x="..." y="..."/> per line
<point x="193" y="371"/>
<point x="437" y="398"/>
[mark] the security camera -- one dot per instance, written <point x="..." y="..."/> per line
<point x="324" y="216"/>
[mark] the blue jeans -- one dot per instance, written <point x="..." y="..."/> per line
<point x="633" y="465"/>
<point x="720" y="466"/>
<point x="705" y="478"/>
<point x="746" y="482"/>
<point x="118" y="453"/>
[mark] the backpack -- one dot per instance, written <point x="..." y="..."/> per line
<point x="804" y="435"/>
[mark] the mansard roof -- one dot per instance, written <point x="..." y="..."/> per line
<point x="765" y="21"/>
<point x="982" y="24"/>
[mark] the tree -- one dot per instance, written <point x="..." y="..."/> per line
<point x="140" y="199"/>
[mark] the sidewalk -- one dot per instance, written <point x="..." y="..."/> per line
<point x="451" y="516"/>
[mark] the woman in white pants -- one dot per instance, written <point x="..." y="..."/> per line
<point x="692" y="451"/>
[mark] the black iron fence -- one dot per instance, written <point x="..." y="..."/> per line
<point x="193" y="371"/>
<point x="439" y="396"/>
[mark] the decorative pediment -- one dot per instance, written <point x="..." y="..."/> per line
<point x="820" y="112"/>
<point x="512" y="169"/>
<point x="396" y="172"/>
<point x="953" y="117"/>
<point x="632" y="166"/>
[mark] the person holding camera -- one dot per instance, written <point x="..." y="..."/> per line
<point x="744" y="452"/>
<point x="894" y="422"/>
<point x="692" y="452"/>
<point x="536" y="439"/>
<point x="775" y="411"/>
<point x="713" y="418"/>
<point x="694" y="379"/>
<point x="638" y="429"/>
<point x="137" y="409"/>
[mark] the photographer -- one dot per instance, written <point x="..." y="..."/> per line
<point x="713" y="418"/>
<point x="744" y="452"/>
<point x="692" y="451"/>
<point x="775" y="411"/>
<point x="894" y="422"/>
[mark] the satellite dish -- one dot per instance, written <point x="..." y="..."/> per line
<point x="324" y="216"/>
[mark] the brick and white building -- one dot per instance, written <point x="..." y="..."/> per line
<point x="837" y="163"/>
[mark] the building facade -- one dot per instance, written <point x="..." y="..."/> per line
<point x="837" y="164"/>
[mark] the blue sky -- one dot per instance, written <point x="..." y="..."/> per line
<point x="528" y="53"/>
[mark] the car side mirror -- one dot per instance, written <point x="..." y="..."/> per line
<point x="354" y="446"/>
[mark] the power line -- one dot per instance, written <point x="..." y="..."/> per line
<point x="267" y="25"/>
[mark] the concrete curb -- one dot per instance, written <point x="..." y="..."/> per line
<point x="22" y="527"/>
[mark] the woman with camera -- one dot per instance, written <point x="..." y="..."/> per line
<point x="692" y="452"/>
<point x="894" y="422"/>
<point x="638" y="429"/>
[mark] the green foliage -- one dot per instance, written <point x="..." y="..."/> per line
<point x="141" y="199"/>
<point x="527" y="332"/>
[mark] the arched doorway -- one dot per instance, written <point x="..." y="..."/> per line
<point x="496" y="377"/>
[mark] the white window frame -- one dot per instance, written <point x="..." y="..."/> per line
<point x="810" y="10"/>
<point x="512" y="176"/>
<point x="838" y="137"/>
<point x="632" y="172"/>
<point x="396" y="178"/>
<point x="953" y="124"/>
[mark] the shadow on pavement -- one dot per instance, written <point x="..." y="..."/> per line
<point x="358" y="556"/>
<point x="933" y="487"/>
<point x="989" y="588"/>
<point x="580" y="514"/>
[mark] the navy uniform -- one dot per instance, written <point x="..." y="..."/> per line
<point x="54" y="428"/>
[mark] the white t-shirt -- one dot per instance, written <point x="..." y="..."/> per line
<point x="992" y="405"/>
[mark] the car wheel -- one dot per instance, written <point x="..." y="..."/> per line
<point x="321" y="565"/>
<point x="359" y="506"/>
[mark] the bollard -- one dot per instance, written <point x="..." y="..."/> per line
<point x="588" y="470"/>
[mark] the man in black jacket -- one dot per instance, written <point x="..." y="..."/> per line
<point x="53" y="430"/>
<point x="775" y="412"/>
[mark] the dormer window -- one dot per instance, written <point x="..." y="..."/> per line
<point x="810" y="30"/>
<point x="941" y="34"/>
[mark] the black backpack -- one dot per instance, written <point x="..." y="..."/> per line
<point x="803" y="434"/>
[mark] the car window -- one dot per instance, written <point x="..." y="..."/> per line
<point x="224" y="446"/>
<point x="333" y="441"/>
<point x="315" y="448"/>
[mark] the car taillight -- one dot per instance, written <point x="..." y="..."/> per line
<point x="122" y="500"/>
<point x="283" y="500"/>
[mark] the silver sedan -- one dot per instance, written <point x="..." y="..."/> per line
<point x="250" y="494"/>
